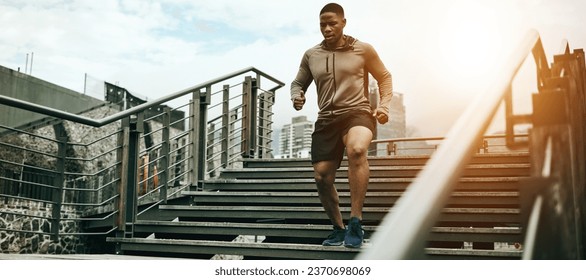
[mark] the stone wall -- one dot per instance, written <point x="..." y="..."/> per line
<point x="31" y="226"/>
<point x="25" y="226"/>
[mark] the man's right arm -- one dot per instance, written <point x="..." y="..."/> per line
<point x="301" y="83"/>
<point x="385" y="83"/>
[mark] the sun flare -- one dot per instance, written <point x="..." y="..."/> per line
<point x="471" y="39"/>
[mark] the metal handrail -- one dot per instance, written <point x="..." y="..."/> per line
<point x="393" y="150"/>
<point x="533" y="221"/>
<point x="434" y="138"/>
<point x="403" y="233"/>
<point x="134" y="110"/>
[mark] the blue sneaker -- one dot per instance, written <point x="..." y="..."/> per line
<point x="336" y="238"/>
<point x="354" y="234"/>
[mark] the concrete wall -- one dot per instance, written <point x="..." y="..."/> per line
<point x="25" y="87"/>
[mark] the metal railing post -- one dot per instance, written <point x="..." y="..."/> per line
<point x="249" y="97"/>
<point x="193" y="145"/>
<point x="225" y="125"/>
<point x="130" y="200"/>
<point x="264" y="102"/>
<point x="232" y="149"/>
<point x="209" y="161"/>
<point x="61" y="137"/>
<point x="122" y="171"/>
<point x="264" y="123"/>
<point x="136" y="128"/>
<point x="198" y="136"/>
<point x="165" y="155"/>
<point x="253" y="113"/>
<point x="391" y="148"/>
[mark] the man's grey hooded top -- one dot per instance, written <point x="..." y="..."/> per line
<point x="341" y="77"/>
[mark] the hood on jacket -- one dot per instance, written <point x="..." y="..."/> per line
<point x="349" y="45"/>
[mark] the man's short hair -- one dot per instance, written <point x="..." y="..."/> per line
<point x="334" y="8"/>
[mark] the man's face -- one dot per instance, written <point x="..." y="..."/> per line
<point x="332" y="28"/>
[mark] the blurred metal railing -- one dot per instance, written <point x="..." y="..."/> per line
<point x="139" y="160"/>
<point x="493" y="143"/>
<point x="403" y="232"/>
<point x="553" y="200"/>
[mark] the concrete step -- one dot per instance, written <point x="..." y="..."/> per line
<point x="472" y="254"/>
<point x="375" y="184"/>
<point x="475" y="170"/>
<point x="207" y="249"/>
<point x="510" y="198"/>
<point x="297" y="214"/>
<point x="397" y="160"/>
<point x="209" y="229"/>
<point x="195" y="230"/>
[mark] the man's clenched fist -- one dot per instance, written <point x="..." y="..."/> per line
<point x="299" y="101"/>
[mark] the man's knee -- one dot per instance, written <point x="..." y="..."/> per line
<point x="323" y="179"/>
<point x="355" y="152"/>
<point x="324" y="174"/>
<point x="357" y="142"/>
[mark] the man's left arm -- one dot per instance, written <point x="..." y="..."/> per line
<point x="376" y="67"/>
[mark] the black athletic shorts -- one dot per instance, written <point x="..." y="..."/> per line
<point x="326" y="140"/>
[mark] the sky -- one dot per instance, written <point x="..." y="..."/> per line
<point x="440" y="53"/>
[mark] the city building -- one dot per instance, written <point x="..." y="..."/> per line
<point x="396" y="127"/>
<point x="295" y="138"/>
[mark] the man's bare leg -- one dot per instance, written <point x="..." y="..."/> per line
<point x="325" y="175"/>
<point x="357" y="141"/>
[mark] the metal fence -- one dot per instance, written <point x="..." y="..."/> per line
<point x="105" y="172"/>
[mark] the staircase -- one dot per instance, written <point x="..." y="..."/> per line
<point x="270" y="210"/>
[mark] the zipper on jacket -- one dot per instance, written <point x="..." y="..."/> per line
<point x="328" y="64"/>
<point x="334" y="70"/>
<point x="334" y="77"/>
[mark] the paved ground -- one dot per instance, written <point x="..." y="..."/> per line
<point x="76" y="257"/>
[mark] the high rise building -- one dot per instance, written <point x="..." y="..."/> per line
<point x="295" y="138"/>
<point x="396" y="127"/>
